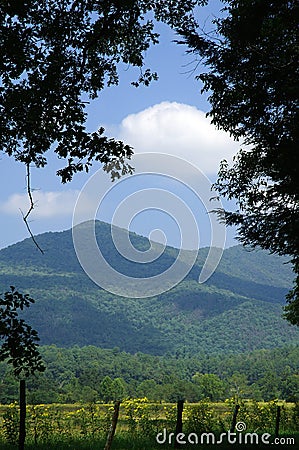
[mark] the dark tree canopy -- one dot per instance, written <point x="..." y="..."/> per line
<point x="18" y="340"/>
<point x="57" y="55"/>
<point x="253" y="84"/>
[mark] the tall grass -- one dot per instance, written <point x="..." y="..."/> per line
<point x="85" y="427"/>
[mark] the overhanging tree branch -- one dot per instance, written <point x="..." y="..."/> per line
<point x="31" y="208"/>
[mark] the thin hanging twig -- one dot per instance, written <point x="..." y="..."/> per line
<point x="31" y="208"/>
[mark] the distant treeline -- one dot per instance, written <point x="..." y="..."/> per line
<point x="93" y="374"/>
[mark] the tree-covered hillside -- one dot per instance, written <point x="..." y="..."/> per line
<point x="238" y="309"/>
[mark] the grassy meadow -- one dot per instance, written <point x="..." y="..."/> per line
<point x="85" y="426"/>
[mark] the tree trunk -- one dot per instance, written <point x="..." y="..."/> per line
<point x="22" y="429"/>
<point x="112" y="426"/>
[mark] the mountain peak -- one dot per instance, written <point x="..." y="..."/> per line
<point x="238" y="309"/>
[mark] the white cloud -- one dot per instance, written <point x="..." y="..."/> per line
<point x="47" y="204"/>
<point x="169" y="127"/>
<point x="180" y="130"/>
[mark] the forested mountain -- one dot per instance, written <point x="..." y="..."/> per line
<point x="238" y="309"/>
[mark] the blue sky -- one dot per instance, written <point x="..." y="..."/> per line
<point x="167" y="117"/>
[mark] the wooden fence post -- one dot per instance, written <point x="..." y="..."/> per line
<point x="277" y="421"/>
<point x="234" y="420"/>
<point x="112" y="426"/>
<point x="179" y="422"/>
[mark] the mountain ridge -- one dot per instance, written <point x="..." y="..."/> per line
<point x="238" y="309"/>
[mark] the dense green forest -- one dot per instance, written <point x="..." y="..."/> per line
<point x="92" y="374"/>
<point x="239" y="309"/>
